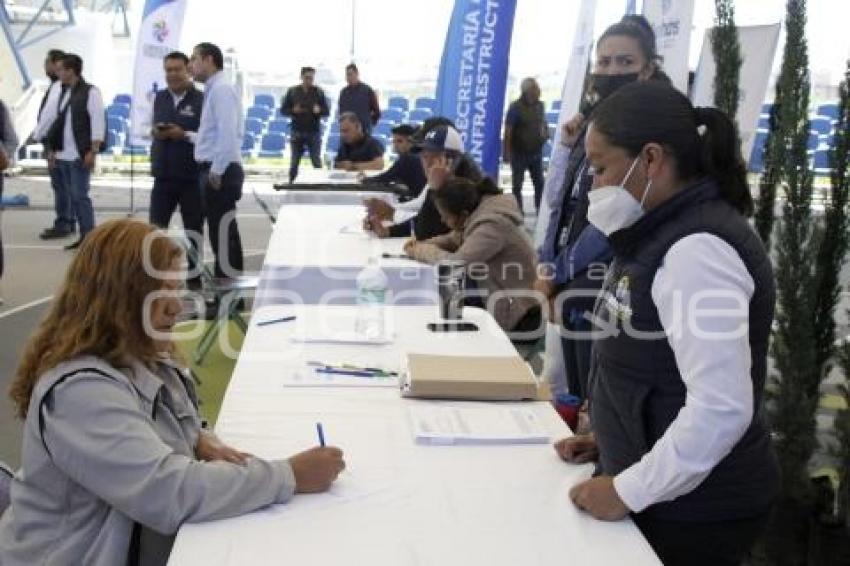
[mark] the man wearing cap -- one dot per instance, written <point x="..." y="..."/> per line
<point x="407" y="168"/>
<point x="441" y="154"/>
<point x="358" y="151"/>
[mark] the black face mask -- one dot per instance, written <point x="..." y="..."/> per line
<point x="606" y="85"/>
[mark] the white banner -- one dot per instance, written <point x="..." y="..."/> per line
<point x="672" y="21"/>
<point x="570" y="101"/>
<point x="159" y="35"/>
<point x="758" y="48"/>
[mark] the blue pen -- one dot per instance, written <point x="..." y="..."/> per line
<point x="275" y="320"/>
<point x="351" y="372"/>
<point x="321" y="432"/>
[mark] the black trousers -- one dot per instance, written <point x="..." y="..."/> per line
<point x="679" y="543"/>
<point x="312" y="141"/>
<point x="533" y="163"/>
<point x="220" y="212"/>
<point x="166" y="196"/>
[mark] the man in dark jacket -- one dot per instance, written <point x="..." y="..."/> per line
<point x="359" y="98"/>
<point x="176" y="115"/>
<point x="407" y="168"/>
<point x="306" y="105"/>
<point x="525" y="134"/>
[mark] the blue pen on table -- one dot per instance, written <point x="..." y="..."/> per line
<point x="351" y="372"/>
<point x="349" y="368"/>
<point x="321" y="432"/>
<point x="275" y="320"/>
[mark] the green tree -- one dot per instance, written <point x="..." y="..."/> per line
<point x="727" y="56"/>
<point x="788" y="119"/>
<point x="794" y="352"/>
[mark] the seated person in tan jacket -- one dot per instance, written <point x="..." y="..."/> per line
<point x="489" y="236"/>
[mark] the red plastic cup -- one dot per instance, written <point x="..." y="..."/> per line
<point x="568" y="407"/>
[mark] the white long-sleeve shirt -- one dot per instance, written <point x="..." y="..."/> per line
<point x="49" y="112"/>
<point x="407" y="210"/>
<point x="219" y="137"/>
<point x="94" y="106"/>
<point x="702" y="292"/>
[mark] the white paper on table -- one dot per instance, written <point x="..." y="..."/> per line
<point x="442" y="425"/>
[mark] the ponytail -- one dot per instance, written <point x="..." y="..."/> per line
<point x="721" y="157"/>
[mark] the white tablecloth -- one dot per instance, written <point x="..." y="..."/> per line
<point x="399" y="503"/>
<point x="316" y="251"/>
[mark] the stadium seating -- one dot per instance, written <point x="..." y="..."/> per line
<point x="821" y="125"/>
<point x="820" y="162"/>
<point x="266" y="100"/>
<point x="272" y="145"/>
<point x="333" y="143"/>
<point x="552" y="117"/>
<point x="248" y="143"/>
<point x="556" y="106"/>
<point x="426" y="102"/>
<point x="393" y="115"/>
<point x="259" y="112"/>
<point x="117" y="124"/>
<point x="122" y="99"/>
<point x="757" y="156"/>
<point x="419" y="115"/>
<point x="279" y="126"/>
<point x="254" y="126"/>
<point x="383" y="128"/>
<point x="828" y="110"/>
<point x="399" y="102"/>
<point x="118" y="109"/>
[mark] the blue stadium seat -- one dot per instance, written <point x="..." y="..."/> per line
<point x="552" y="117"/>
<point x="383" y="128"/>
<point x="757" y="156"/>
<point x="393" y="115"/>
<point x="259" y="112"/>
<point x="556" y="106"/>
<point x="116" y="123"/>
<point x="130" y="149"/>
<point x="764" y="122"/>
<point x="419" y="115"/>
<point x="766" y="108"/>
<point x="120" y="110"/>
<point x="399" y="102"/>
<point x="272" y="145"/>
<point x="113" y="139"/>
<point x="822" y="126"/>
<point x="335" y="127"/>
<point x="122" y="99"/>
<point x="827" y="142"/>
<point x="248" y="143"/>
<point x="547" y="149"/>
<point x="266" y="100"/>
<point x="828" y="110"/>
<point x="551" y="128"/>
<point x="813" y="142"/>
<point x="821" y="162"/>
<point x="254" y="126"/>
<point x="279" y="126"/>
<point x="426" y="102"/>
<point x="333" y="143"/>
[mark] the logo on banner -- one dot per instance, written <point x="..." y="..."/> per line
<point x="160" y="30"/>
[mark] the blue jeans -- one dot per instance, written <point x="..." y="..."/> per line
<point x="533" y="162"/>
<point x="61" y="202"/>
<point x="77" y="179"/>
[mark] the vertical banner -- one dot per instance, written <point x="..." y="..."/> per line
<point x="159" y="34"/>
<point x="473" y="75"/>
<point x="570" y="101"/>
<point x="672" y="20"/>
<point x="758" y="49"/>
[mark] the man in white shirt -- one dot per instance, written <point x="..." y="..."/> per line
<point x="75" y="138"/>
<point x="65" y="224"/>
<point x="218" y="153"/>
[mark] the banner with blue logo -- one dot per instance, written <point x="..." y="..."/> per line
<point x="672" y="21"/>
<point x="159" y="35"/>
<point x="473" y="75"/>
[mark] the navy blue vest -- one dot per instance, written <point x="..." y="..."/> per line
<point x="174" y="159"/>
<point x="636" y="390"/>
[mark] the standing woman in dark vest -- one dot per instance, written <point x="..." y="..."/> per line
<point x="682" y="328"/>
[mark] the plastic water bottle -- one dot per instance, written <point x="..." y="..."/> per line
<point x="371" y="299"/>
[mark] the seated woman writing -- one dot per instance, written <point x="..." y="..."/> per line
<point x="114" y="457"/>
<point x="487" y="233"/>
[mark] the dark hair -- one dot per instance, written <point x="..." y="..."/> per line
<point x="207" y="49"/>
<point x="305" y="70"/>
<point x="638" y="28"/>
<point x="54" y="55"/>
<point x="461" y="195"/>
<point x="350" y="117"/>
<point x="73" y="62"/>
<point x="403" y="130"/>
<point x="655" y="112"/>
<point x="179" y="55"/>
<point x="352" y="67"/>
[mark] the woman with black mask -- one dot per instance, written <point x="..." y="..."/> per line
<point x="574" y="255"/>
<point x="682" y="326"/>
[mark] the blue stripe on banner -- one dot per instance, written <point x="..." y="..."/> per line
<point x="152" y="5"/>
<point x="473" y="75"/>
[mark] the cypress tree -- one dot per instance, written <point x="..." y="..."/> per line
<point x="727" y="56"/>
<point x="798" y="381"/>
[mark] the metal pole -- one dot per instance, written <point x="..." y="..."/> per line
<point x="353" y="12"/>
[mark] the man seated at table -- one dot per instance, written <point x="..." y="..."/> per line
<point x="358" y="151"/>
<point x="442" y="156"/>
<point x="407" y="168"/>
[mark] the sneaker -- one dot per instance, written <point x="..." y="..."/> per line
<point x="55" y="233"/>
<point x="75" y="245"/>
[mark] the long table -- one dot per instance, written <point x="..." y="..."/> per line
<point x="316" y="251"/>
<point x="398" y="503"/>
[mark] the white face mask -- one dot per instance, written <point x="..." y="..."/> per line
<point x="613" y="207"/>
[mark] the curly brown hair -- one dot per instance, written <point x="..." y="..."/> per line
<point x="99" y="308"/>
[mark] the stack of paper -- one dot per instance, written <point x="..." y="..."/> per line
<point x="442" y="425"/>
<point x="503" y="378"/>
